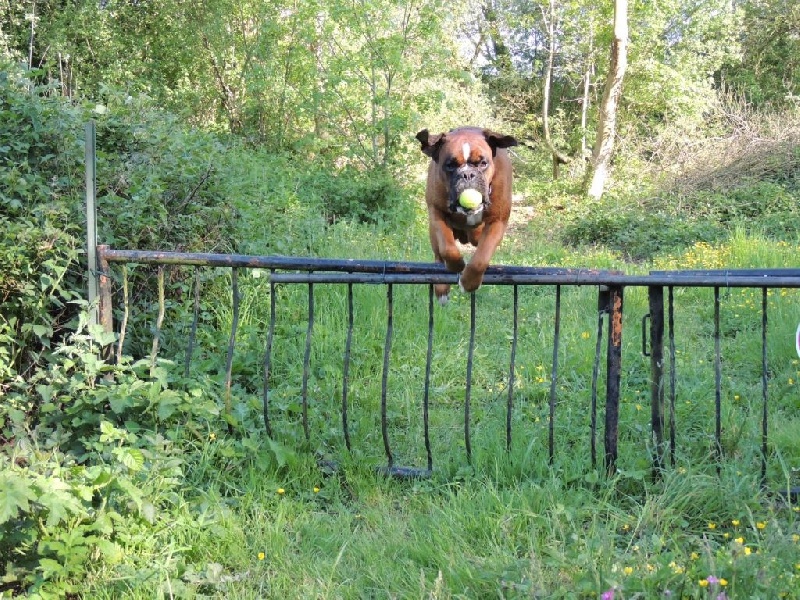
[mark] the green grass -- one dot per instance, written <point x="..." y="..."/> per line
<point x="221" y="512"/>
<point x="259" y="519"/>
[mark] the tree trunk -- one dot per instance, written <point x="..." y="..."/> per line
<point x="607" y="120"/>
<point x="559" y="158"/>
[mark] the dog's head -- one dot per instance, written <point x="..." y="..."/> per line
<point x="465" y="158"/>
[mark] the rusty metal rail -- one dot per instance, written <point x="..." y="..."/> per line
<point x="610" y="288"/>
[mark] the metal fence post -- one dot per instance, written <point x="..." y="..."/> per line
<point x="656" y="300"/>
<point x="613" y="378"/>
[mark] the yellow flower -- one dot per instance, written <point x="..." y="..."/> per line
<point x="261" y="556"/>
<point x="585" y="335"/>
<point x="695" y="556"/>
<point x="723" y="582"/>
<point x="316" y="490"/>
<point x="795" y="538"/>
<point x="281" y="491"/>
<point x="712" y="525"/>
<point x="677" y="569"/>
<point x="627" y="570"/>
<point x="212" y="436"/>
<point x="726" y="535"/>
<point x="739" y="540"/>
<point x="761" y="525"/>
<point x="747" y="551"/>
<point x="703" y="583"/>
<point x="735" y="522"/>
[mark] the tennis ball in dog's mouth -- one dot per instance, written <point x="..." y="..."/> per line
<point x="470" y="199"/>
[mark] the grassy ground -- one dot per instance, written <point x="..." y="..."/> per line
<point x="257" y="518"/>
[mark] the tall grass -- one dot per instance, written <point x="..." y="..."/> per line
<point x="259" y="518"/>
<point x="262" y="520"/>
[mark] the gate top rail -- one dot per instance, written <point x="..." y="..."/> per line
<point x="327" y="270"/>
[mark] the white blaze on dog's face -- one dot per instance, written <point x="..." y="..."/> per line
<point x="465" y="148"/>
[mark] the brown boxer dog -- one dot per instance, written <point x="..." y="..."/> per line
<point x="467" y="157"/>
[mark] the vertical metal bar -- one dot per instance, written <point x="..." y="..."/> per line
<point x="595" y="373"/>
<point x="346" y="367"/>
<point x="384" y="380"/>
<point x="231" y="343"/>
<point x="510" y="403"/>
<point x="90" y="160"/>
<point x="717" y="381"/>
<point x="614" y="370"/>
<point x="159" y="320"/>
<point x="672" y="389"/>
<point x="468" y="393"/>
<point x="764" y="386"/>
<point x="426" y="395"/>
<point x="307" y="359"/>
<point x="126" y="301"/>
<point x="554" y="377"/>
<point x="104" y="306"/>
<point x="656" y="301"/>
<point x="195" y="316"/>
<point x="268" y="356"/>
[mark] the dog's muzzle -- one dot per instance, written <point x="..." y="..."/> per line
<point x="472" y="218"/>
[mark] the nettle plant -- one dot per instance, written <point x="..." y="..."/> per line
<point x="89" y="465"/>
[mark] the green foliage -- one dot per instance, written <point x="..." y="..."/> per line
<point x="132" y="480"/>
<point x="637" y="234"/>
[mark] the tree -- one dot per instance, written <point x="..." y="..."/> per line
<point x="607" y="118"/>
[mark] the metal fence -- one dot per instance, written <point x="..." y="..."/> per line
<point x="658" y="329"/>
<point x="610" y="287"/>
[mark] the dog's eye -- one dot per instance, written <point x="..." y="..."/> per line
<point x="450" y="166"/>
<point x="483" y="163"/>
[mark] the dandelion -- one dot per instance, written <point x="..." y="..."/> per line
<point x="627" y="570"/>
<point x="585" y="335"/>
<point x="703" y="583"/>
<point x="795" y="538"/>
<point x="695" y="556"/>
<point x="212" y="436"/>
<point x="316" y="490"/>
<point x="735" y="522"/>
<point x="261" y="556"/>
<point x="747" y="551"/>
<point x="723" y="582"/>
<point x="712" y="525"/>
<point x="739" y="540"/>
<point x="281" y="491"/>
<point x="761" y="525"/>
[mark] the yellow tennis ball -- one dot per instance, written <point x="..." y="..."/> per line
<point x="470" y="199"/>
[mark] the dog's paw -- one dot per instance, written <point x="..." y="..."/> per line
<point x="444" y="299"/>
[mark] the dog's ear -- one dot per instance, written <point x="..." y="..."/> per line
<point x="498" y="140"/>
<point x="431" y="144"/>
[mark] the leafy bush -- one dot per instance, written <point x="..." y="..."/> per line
<point x="634" y="233"/>
<point x="366" y="197"/>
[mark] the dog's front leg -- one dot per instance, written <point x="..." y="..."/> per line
<point x="445" y="251"/>
<point x="472" y="276"/>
